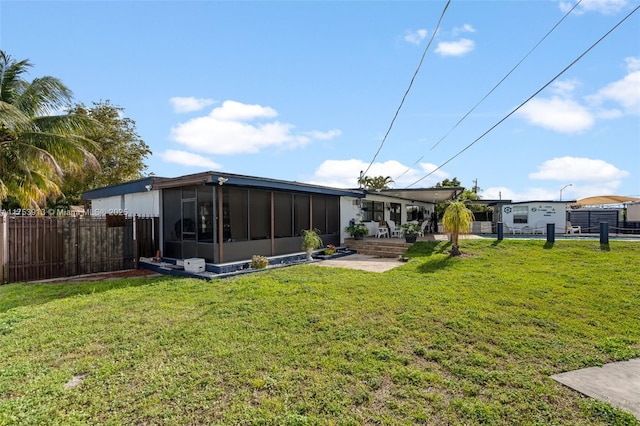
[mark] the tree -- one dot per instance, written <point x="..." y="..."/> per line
<point x="446" y="183"/>
<point x="376" y="183"/>
<point x="467" y="195"/>
<point x="36" y="143"/>
<point x="121" y="152"/>
<point x="457" y="220"/>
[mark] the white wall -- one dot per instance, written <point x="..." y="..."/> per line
<point x="139" y="203"/>
<point x="540" y="213"/>
<point x="633" y="212"/>
<point x="348" y="210"/>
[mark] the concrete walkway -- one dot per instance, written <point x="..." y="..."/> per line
<point x="362" y="262"/>
<point x="617" y="383"/>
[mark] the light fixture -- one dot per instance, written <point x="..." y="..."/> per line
<point x="562" y="189"/>
<point x="148" y="187"/>
<point x="222" y="180"/>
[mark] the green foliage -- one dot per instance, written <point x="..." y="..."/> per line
<point x="410" y="228"/>
<point x="375" y="183"/>
<point x="36" y="143"/>
<point x="438" y="340"/>
<point x="457" y="220"/>
<point x="259" y="262"/>
<point x="357" y="229"/>
<point x="120" y="151"/>
<point x="311" y="239"/>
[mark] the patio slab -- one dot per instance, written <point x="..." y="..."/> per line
<point x="617" y="383"/>
<point x="362" y="262"/>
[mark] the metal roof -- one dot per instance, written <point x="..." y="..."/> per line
<point x="425" y="195"/>
<point x="216" y="178"/>
<point x="605" y="199"/>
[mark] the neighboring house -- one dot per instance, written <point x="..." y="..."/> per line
<point x="533" y="216"/>
<point x="224" y="217"/>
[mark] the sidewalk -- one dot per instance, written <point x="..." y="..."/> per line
<point x="617" y="383"/>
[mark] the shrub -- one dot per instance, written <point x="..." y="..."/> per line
<point x="259" y="262"/>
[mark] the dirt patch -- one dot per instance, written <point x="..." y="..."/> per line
<point x="103" y="276"/>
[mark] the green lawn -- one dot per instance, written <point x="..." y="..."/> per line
<point x="468" y="340"/>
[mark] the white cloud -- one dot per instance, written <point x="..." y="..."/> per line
<point x="466" y="28"/>
<point x="633" y="63"/>
<point x="561" y="115"/>
<point x="189" y="104"/>
<point x="504" y="193"/>
<point x="564" y="87"/>
<point x="237" y="111"/>
<point x="236" y="128"/>
<point x="601" y="6"/>
<point x="455" y="48"/>
<point x="415" y="37"/>
<point x="626" y="92"/>
<point x="345" y="173"/>
<point x="578" y="169"/>
<point x="188" y="159"/>
<point x="316" y="134"/>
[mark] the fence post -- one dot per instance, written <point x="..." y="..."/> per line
<point x="604" y="232"/>
<point x="500" y="230"/>
<point x="551" y="232"/>
<point x="77" y="226"/>
<point x="135" y="242"/>
<point x="3" y="245"/>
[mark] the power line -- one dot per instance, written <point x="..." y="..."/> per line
<point x="408" y="88"/>
<point x="495" y="87"/>
<point x="529" y="98"/>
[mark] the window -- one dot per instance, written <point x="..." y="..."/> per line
<point x="283" y="214"/>
<point x="372" y="211"/>
<point x="333" y="215"/>
<point x="394" y="214"/>
<point x="520" y="214"/>
<point x="301" y="213"/>
<point x="235" y="220"/>
<point x="319" y="213"/>
<point x="205" y="214"/>
<point x="260" y="215"/>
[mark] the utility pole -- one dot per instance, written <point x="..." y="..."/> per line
<point x="475" y="186"/>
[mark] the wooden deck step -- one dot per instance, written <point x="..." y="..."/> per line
<point x="380" y="247"/>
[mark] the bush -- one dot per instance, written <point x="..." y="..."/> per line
<point x="259" y="262"/>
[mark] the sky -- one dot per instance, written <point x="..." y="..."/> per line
<point x="307" y="91"/>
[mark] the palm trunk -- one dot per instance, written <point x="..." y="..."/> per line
<point x="455" y="250"/>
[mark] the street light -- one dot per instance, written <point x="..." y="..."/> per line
<point x="562" y="189"/>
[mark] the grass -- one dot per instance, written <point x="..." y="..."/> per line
<point x="438" y="340"/>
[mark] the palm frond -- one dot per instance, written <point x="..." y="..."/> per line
<point x="44" y="96"/>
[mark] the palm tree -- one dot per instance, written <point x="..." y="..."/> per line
<point x="36" y="143"/>
<point x="376" y="183"/>
<point x="457" y="220"/>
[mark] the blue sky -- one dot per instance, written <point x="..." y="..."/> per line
<point x="306" y="90"/>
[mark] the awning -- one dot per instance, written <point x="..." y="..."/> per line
<point x="425" y="195"/>
<point x="605" y="199"/>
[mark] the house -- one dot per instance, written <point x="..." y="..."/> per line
<point x="531" y="217"/>
<point x="225" y="217"/>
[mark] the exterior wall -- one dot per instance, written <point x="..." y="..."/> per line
<point x="633" y="212"/>
<point x="540" y="213"/>
<point x="349" y="209"/>
<point x="141" y="204"/>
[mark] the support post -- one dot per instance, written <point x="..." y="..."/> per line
<point x="551" y="232"/>
<point x="604" y="233"/>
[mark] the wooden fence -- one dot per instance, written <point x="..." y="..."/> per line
<point x="37" y="248"/>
